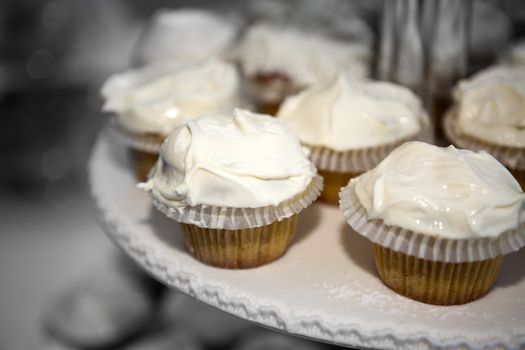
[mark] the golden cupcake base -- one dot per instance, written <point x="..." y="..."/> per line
<point x="519" y="175"/>
<point x="332" y="185"/>
<point x="142" y="162"/>
<point x="435" y="282"/>
<point x="242" y="248"/>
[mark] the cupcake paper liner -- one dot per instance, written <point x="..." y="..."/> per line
<point x="231" y="218"/>
<point x="149" y="143"/>
<point x="362" y="159"/>
<point x="424" y="246"/>
<point x="513" y="157"/>
<point x="435" y="282"/>
<point x="358" y="160"/>
<point x="242" y="248"/>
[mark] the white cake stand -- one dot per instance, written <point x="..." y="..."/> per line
<point x="325" y="287"/>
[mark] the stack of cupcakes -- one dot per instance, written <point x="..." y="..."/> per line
<point x="439" y="219"/>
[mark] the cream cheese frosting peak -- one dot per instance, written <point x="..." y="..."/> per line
<point x="491" y="106"/>
<point x="442" y="192"/>
<point x="306" y="57"/>
<point x="244" y="160"/>
<point x="159" y="97"/>
<point x="346" y="113"/>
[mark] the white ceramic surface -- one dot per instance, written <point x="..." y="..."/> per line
<point x="325" y="287"/>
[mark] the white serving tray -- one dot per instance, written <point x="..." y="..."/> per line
<point x="325" y="287"/>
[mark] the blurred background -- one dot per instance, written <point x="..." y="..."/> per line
<point x="54" y="57"/>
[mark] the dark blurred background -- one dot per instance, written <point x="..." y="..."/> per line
<point x="54" y="56"/>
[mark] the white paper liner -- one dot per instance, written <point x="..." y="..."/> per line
<point x="361" y="159"/>
<point x="148" y="143"/>
<point x="423" y="245"/>
<point x="231" y="218"/>
<point x="512" y="157"/>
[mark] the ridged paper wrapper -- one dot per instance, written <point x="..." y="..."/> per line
<point x="231" y="218"/>
<point x="425" y="246"/>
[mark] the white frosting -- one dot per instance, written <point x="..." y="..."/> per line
<point x="491" y="106"/>
<point x="244" y="161"/>
<point x="443" y="192"/>
<point x="160" y="97"/>
<point x="187" y="36"/>
<point x="347" y="113"/>
<point x="305" y="57"/>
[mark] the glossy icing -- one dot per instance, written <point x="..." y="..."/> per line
<point x="159" y="97"/>
<point x="491" y="106"/>
<point x="244" y="160"/>
<point x="443" y="192"/>
<point x="346" y="113"/>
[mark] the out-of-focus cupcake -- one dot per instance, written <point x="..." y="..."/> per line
<point x="350" y="125"/>
<point x="489" y="114"/>
<point x="187" y="35"/>
<point x="278" y="61"/>
<point x="236" y="184"/>
<point x="440" y="220"/>
<point x="148" y="103"/>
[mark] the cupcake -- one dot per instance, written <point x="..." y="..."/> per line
<point x="350" y="125"/>
<point x="148" y="103"/>
<point x="187" y="35"/>
<point x="236" y="184"/>
<point x="489" y="114"/>
<point x="440" y="220"/>
<point x="278" y="61"/>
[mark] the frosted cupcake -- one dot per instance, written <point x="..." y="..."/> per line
<point x="440" y="220"/>
<point x="351" y="125"/>
<point x="148" y="103"/>
<point x="187" y="35"/>
<point x="489" y="114"/>
<point x="279" y="61"/>
<point x="236" y="184"/>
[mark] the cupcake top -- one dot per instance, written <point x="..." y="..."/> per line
<point x="303" y="56"/>
<point x="244" y="160"/>
<point x="442" y="192"/>
<point x="346" y="113"/>
<point x="491" y="106"/>
<point x="159" y="97"/>
<point x="187" y="36"/>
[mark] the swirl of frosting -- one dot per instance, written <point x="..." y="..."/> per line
<point x="244" y="161"/>
<point x="187" y="36"/>
<point x="442" y="192"/>
<point x="346" y="113"/>
<point x="306" y="57"/>
<point x="160" y="97"/>
<point x="491" y="106"/>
